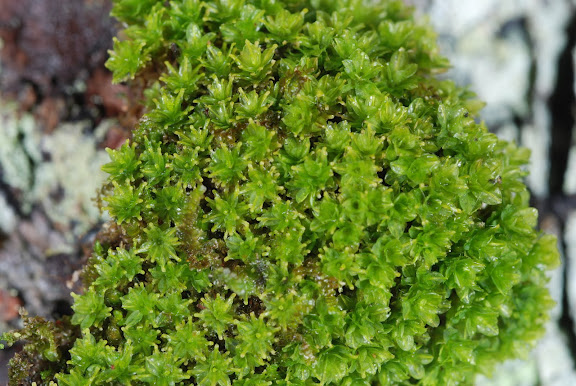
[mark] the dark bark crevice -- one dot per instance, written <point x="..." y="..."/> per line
<point x="561" y="106"/>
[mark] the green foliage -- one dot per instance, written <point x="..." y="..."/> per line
<point x="89" y="309"/>
<point x="126" y="59"/>
<point x="45" y="351"/>
<point x="304" y="202"/>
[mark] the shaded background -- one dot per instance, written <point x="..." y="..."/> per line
<point x="58" y="111"/>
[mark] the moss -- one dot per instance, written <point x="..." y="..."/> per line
<point x="305" y="202"/>
<point x="46" y="351"/>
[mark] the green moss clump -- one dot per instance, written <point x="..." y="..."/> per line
<point x="46" y="351"/>
<point x="305" y="202"/>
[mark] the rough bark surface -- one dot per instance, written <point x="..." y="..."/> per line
<point x="56" y="101"/>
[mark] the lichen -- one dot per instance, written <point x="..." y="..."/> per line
<point x="38" y="174"/>
<point x="19" y="151"/>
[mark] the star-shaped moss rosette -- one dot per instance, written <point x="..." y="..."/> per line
<point x="305" y="202"/>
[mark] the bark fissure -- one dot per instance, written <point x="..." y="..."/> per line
<point x="561" y="106"/>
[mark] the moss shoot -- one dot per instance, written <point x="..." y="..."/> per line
<point x="304" y="202"/>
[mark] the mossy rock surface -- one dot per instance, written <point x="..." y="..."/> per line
<point x="305" y="202"/>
